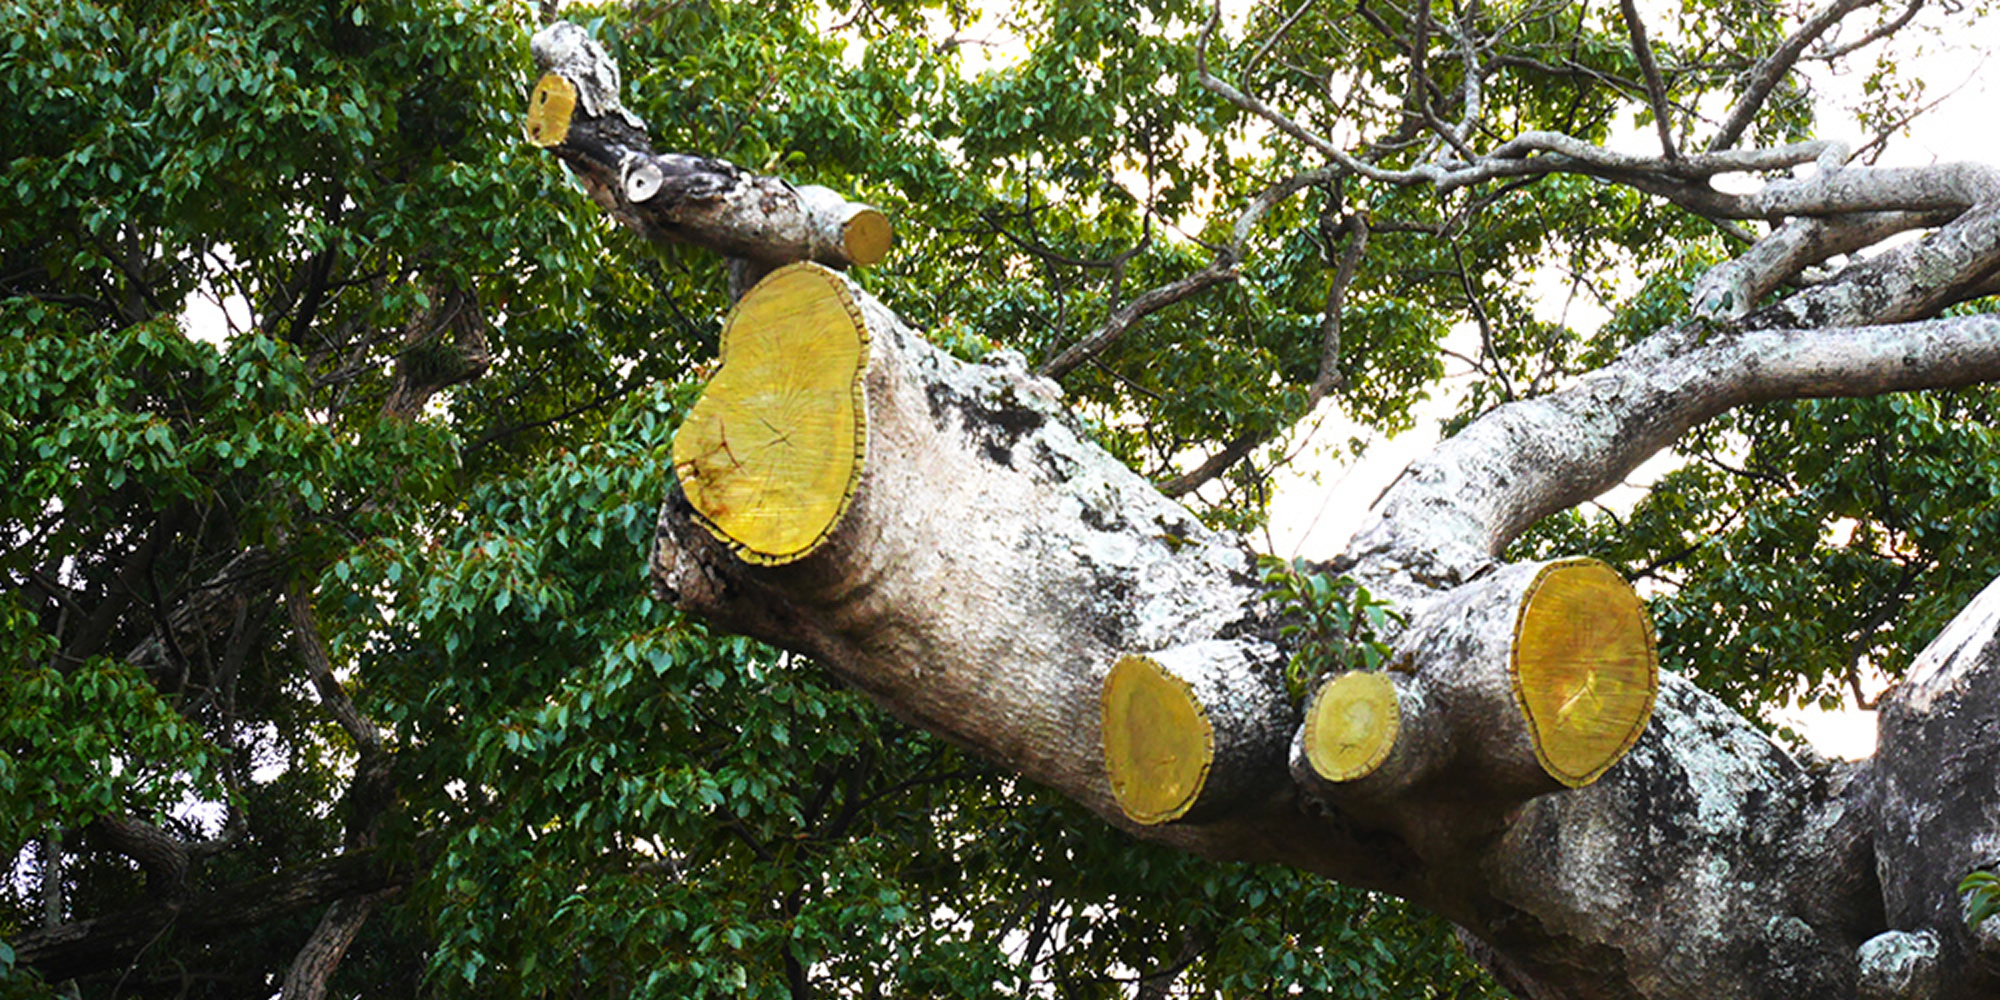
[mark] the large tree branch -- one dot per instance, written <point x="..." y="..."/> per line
<point x="676" y="198"/>
<point x="1453" y="511"/>
<point x="941" y="535"/>
<point x="1063" y="617"/>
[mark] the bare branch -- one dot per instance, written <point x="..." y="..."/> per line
<point x="1231" y="453"/>
<point x="1732" y="289"/>
<point x="1448" y="516"/>
<point x="1222" y="271"/>
<point x="1908" y="282"/>
<point x="1764" y="77"/>
<point x="1329" y="377"/>
<point x="1114" y="327"/>
<point x="1656" y="90"/>
<point x="1881" y="31"/>
<point x="312" y="652"/>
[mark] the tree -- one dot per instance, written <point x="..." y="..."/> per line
<point x="330" y="665"/>
<point x="560" y="781"/>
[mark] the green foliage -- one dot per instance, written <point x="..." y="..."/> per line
<point x="234" y="231"/>
<point x="1333" y="619"/>
<point x="1982" y="898"/>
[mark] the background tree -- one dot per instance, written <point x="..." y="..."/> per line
<point x="375" y="547"/>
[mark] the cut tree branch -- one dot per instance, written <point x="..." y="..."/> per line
<point x="575" y="111"/>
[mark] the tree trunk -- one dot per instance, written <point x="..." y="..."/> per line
<point x="986" y="571"/>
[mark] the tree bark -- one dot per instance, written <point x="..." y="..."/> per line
<point x="1938" y="817"/>
<point x="992" y="567"/>
<point x="672" y="197"/>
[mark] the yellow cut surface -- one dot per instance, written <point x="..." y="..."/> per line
<point x="549" y="110"/>
<point x="771" y="453"/>
<point x="1158" y="742"/>
<point x="867" y="237"/>
<point x="1351" y="725"/>
<point x="1585" y="668"/>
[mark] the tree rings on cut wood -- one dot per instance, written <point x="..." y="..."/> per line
<point x="866" y="236"/>
<point x="1351" y="725"/>
<point x="1158" y="741"/>
<point x="862" y="234"/>
<point x="1584" y="667"/>
<point x="549" y="109"/>
<point x="770" y="455"/>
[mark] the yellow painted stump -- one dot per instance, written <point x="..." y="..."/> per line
<point x="1584" y="667"/>
<point x="1351" y="725"/>
<point x="1158" y="741"/>
<point x="770" y="455"/>
<point x="1556" y="682"/>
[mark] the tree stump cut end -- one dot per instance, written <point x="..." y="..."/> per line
<point x="866" y="237"/>
<point x="549" y="109"/>
<point x="771" y="454"/>
<point x="1158" y="741"/>
<point x="1585" y="668"/>
<point x="1351" y="725"/>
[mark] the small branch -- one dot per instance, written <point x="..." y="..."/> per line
<point x="1118" y="322"/>
<point x="1881" y="31"/>
<point x="161" y="855"/>
<point x="575" y="113"/>
<point x="316" y="962"/>
<point x="1277" y="34"/>
<point x="1329" y="377"/>
<point x="1216" y="464"/>
<point x="1764" y="77"/>
<point x="1656" y="90"/>
<point x="312" y="653"/>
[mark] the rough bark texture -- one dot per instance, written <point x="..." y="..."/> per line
<point x="1939" y="812"/>
<point x="693" y="199"/>
<point x="1749" y="874"/>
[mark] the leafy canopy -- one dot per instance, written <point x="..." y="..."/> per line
<point x="286" y="303"/>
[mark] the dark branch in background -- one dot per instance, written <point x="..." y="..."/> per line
<point x="1122" y="320"/>
<point x="443" y="347"/>
<point x="368" y="797"/>
<point x="1656" y="91"/>
<point x="1326" y="381"/>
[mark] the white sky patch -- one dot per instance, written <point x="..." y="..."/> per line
<point x="215" y="315"/>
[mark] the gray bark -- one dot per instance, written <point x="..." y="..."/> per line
<point x="994" y="565"/>
<point x="1938" y="817"/>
